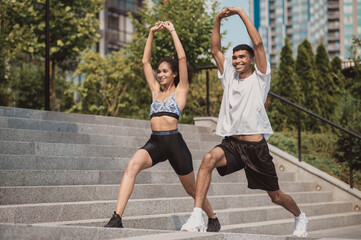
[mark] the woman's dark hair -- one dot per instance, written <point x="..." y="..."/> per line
<point x="244" y="47"/>
<point x="174" y="66"/>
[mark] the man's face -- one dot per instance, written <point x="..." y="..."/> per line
<point x="242" y="61"/>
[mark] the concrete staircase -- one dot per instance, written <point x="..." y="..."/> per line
<point x="60" y="175"/>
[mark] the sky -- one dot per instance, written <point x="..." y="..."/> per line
<point x="236" y="31"/>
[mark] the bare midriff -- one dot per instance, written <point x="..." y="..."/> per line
<point x="164" y="123"/>
<point x="249" y="138"/>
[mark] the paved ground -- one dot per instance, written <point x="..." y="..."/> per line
<point x="351" y="232"/>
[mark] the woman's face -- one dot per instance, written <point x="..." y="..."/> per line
<point x="165" y="74"/>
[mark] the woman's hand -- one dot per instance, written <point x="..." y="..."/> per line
<point x="169" y="26"/>
<point x="157" y="27"/>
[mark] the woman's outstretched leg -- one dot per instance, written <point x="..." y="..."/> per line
<point x="140" y="161"/>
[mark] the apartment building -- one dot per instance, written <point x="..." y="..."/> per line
<point x="115" y="24"/>
<point x="331" y="21"/>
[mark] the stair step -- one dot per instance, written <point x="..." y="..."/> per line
<point x="227" y="217"/>
<point x="92" y="177"/>
<point x="73" y="193"/>
<point x="351" y="231"/>
<point x="50" y="212"/>
<point x="116" y="126"/>
<point x="134" y="140"/>
<point x="32" y="162"/>
<point x="46" y="232"/>
<point x="73" y="118"/>
<point x="63" y="149"/>
<point x="285" y="226"/>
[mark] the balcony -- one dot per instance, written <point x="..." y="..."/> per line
<point x="333" y="26"/>
<point x="333" y="47"/>
<point x="333" y="15"/>
<point x="333" y="38"/>
<point x="333" y="5"/>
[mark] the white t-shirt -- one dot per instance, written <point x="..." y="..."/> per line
<point x="242" y="110"/>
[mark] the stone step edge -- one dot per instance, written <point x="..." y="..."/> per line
<point x="138" y="184"/>
<point x="112" y="232"/>
<point x="310" y="218"/>
<point x="141" y="200"/>
<point x="228" y="210"/>
<point x="77" y="144"/>
<point x="149" y="234"/>
<point x="96" y="135"/>
<point x="111" y="122"/>
<point x="127" y="159"/>
<point x="152" y="169"/>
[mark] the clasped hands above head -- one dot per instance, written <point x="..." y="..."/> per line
<point x="228" y="11"/>
<point x="163" y="25"/>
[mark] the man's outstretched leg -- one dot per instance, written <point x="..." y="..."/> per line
<point x="286" y="201"/>
<point x="195" y="223"/>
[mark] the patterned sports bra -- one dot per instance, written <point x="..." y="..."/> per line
<point x="168" y="107"/>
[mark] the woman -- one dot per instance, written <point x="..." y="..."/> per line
<point x="165" y="142"/>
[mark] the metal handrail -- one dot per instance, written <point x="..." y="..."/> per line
<point x="351" y="134"/>
<point x="315" y="115"/>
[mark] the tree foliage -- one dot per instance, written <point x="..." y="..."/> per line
<point x="349" y="112"/>
<point x="305" y="70"/>
<point x="287" y="85"/>
<point x="338" y="78"/>
<point x="104" y="88"/>
<point x="193" y="23"/>
<point x="73" y="28"/>
<point x="329" y="91"/>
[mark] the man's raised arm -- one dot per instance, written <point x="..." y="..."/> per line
<point x="216" y="42"/>
<point x="259" y="52"/>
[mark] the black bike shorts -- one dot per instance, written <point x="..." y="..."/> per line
<point x="170" y="145"/>
<point x="256" y="160"/>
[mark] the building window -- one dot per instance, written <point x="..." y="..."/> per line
<point x="113" y="22"/>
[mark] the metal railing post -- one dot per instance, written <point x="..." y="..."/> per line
<point x="207" y="85"/>
<point x="350" y="161"/>
<point x="47" y="57"/>
<point x="299" y="135"/>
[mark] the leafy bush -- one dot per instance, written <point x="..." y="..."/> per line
<point x="318" y="149"/>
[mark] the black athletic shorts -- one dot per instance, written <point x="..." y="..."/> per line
<point x="170" y="145"/>
<point x="256" y="160"/>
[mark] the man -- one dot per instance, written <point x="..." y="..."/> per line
<point x="244" y="123"/>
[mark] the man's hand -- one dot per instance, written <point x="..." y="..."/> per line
<point x="228" y="11"/>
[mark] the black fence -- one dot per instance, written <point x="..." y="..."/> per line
<point x="299" y="109"/>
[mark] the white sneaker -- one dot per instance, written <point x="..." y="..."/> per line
<point x="194" y="223"/>
<point x="301" y="225"/>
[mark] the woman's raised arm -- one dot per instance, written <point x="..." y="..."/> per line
<point x="182" y="60"/>
<point x="147" y="67"/>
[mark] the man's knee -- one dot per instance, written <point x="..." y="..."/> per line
<point x="276" y="197"/>
<point x="209" y="162"/>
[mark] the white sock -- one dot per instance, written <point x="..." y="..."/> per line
<point x="299" y="215"/>
<point x="198" y="210"/>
